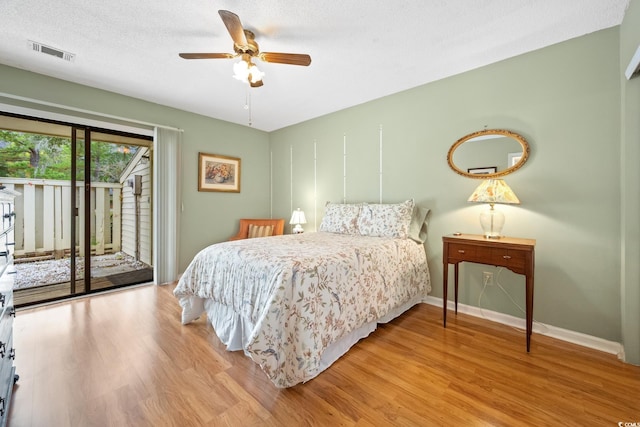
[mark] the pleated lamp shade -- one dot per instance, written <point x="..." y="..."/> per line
<point x="493" y="191"/>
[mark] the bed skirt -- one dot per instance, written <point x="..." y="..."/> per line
<point x="234" y="331"/>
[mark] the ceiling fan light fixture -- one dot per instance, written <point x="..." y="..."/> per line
<point x="255" y="75"/>
<point x="245" y="47"/>
<point x="247" y="72"/>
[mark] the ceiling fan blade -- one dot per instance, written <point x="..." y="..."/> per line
<point x="286" y="58"/>
<point x="234" y="26"/>
<point x="206" y="55"/>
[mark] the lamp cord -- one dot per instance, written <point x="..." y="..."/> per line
<point x="486" y="282"/>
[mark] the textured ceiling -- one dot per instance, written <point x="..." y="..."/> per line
<point x="361" y="50"/>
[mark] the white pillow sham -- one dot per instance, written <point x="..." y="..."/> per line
<point x="386" y="220"/>
<point x="340" y="218"/>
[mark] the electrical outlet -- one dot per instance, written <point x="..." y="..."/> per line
<point x="487" y="278"/>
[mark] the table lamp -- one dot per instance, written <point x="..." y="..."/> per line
<point x="493" y="191"/>
<point x="298" y="218"/>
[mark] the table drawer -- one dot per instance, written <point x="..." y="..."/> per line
<point x="503" y="257"/>
<point x="470" y="253"/>
<point x="462" y="251"/>
<point x="510" y="258"/>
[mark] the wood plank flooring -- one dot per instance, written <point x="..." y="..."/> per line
<point x="124" y="359"/>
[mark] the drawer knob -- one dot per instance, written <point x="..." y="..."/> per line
<point x="3" y="349"/>
<point x="2" y="297"/>
<point x="12" y="354"/>
<point x="12" y="311"/>
<point x="506" y="257"/>
<point x="460" y="251"/>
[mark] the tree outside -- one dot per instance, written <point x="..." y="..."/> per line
<point x="28" y="155"/>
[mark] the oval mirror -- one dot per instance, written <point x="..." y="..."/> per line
<point x="488" y="153"/>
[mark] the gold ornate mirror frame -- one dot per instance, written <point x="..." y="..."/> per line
<point x="480" y="135"/>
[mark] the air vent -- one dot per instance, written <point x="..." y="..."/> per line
<point x="39" y="47"/>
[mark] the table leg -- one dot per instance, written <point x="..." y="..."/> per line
<point x="455" y="273"/>
<point x="529" y="308"/>
<point x="445" y="277"/>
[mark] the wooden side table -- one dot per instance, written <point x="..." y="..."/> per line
<point x="518" y="255"/>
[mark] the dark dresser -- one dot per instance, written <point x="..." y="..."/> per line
<point x="8" y="375"/>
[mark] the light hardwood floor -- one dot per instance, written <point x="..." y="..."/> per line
<point x="124" y="359"/>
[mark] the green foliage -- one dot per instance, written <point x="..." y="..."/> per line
<point x="26" y="155"/>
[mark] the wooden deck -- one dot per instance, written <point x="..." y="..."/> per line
<point x="37" y="294"/>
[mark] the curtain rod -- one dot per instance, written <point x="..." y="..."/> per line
<point x="84" y="111"/>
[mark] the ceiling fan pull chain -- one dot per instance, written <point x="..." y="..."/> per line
<point x="247" y="103"/>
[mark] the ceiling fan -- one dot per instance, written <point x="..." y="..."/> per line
<point x="245" y="46"/>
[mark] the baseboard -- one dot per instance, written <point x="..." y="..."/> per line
<point x="578" y="338"/>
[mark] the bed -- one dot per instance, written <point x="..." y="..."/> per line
<point x="296" y="303"/>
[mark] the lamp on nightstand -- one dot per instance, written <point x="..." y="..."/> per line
<point x="493" y="191"/>
<point x="298" y="218"/>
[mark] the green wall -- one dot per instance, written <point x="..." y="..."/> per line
<point x="564" y="99"/>
<point x="568" y="100"/>
<point x="207" y="217"/>
<point x="630" y="177"/>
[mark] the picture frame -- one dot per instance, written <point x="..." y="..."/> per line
<point x="483" y="171"/>
<point x="513" y="159"/>
<point x="218" y="173"/>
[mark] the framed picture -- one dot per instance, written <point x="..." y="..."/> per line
<point x="513" y="159"/>
<point x="218" y="173"/>
<point x="483" y="171"/>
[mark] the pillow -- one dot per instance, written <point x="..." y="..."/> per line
<point x="386" y="220"/>
<point x="260" y="231"/>
<point x="418" y="225"/>
<point x="340" y="218"/>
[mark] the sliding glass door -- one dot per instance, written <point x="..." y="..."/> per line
<point x="113" y="211"/>
<point x="83" y="217"/>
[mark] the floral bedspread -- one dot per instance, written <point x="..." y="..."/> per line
<point x="303" y="292"/>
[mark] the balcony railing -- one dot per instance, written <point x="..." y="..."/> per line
<point x="43" y="217"/>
